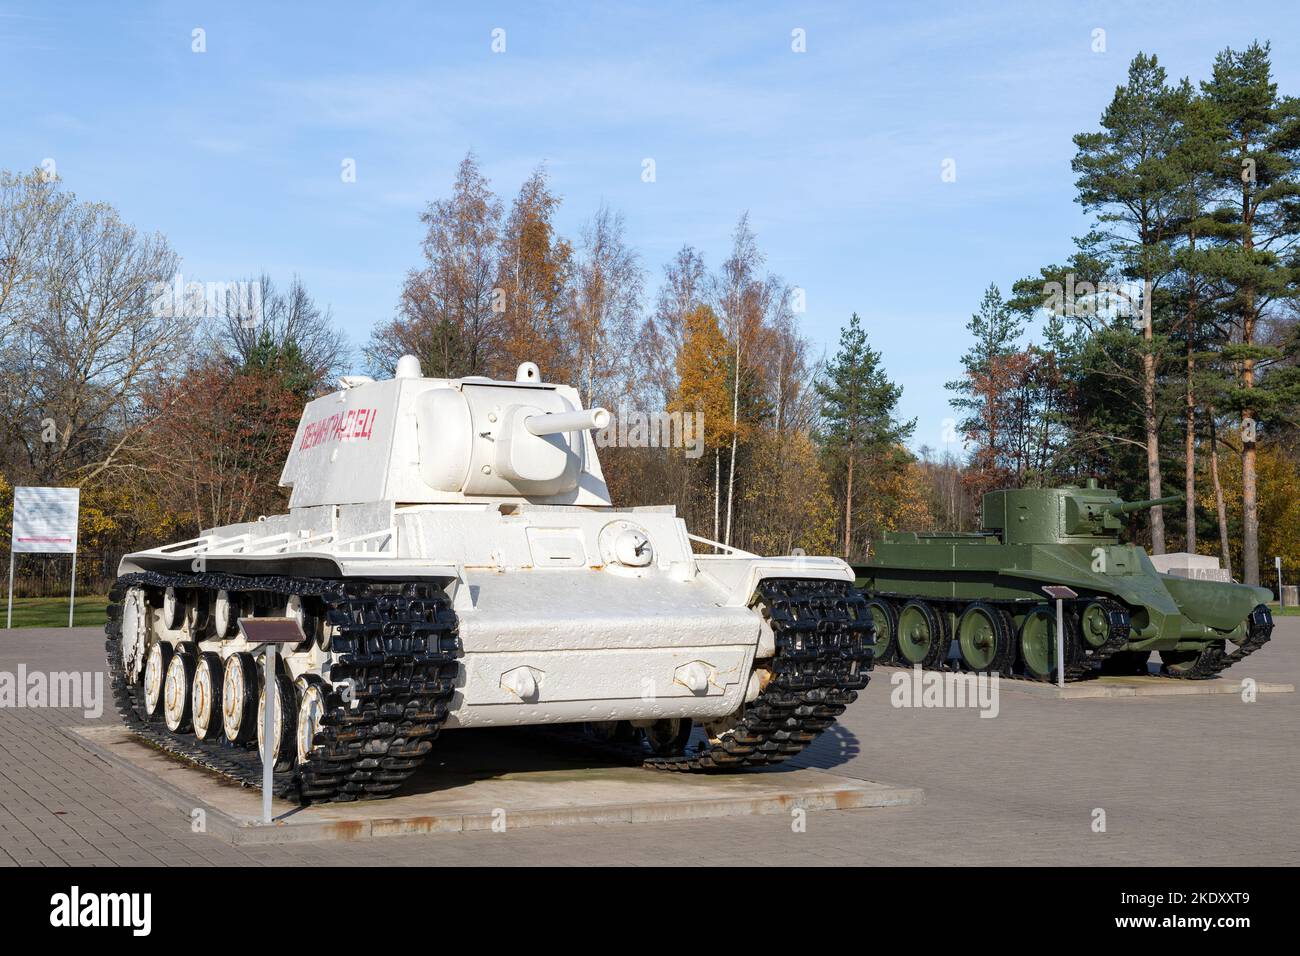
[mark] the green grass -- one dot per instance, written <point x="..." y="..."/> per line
<point x="1287" y="611"/>
<point x="53" y="612"/>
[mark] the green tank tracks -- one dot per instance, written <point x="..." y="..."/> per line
<point x="397" y="645"/>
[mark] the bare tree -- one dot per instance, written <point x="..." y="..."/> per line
<point x="257" y="315"/>
<point x="97" y="345"/>
<point x="606" y="306"/>
<point x="450" y="315"/>
<point x="742" y="299"/>
<point x="684" y="289"/>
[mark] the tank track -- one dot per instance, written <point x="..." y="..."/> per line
<point x="1213" y="661"/>
<point x="824" y="650"/>
<point x="396" y="642"/>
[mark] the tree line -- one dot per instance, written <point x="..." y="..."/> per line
<point x="173" y="403"/>
<point x="1162" y="353"/>
<point x="1166" y="358"/>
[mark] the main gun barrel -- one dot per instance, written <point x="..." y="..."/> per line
<point x="578" y="421"/>
<point x="1124" y="507"/>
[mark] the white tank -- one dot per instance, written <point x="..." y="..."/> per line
<point x="451" y="558"/>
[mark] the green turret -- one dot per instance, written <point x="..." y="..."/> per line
<point x="979" y="597"/>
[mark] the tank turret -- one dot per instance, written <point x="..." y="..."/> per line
<point x="1060" y="515"/>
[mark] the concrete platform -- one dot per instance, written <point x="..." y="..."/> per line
<point x="1151" y="685"/>
<point x="1139" y="686"/>
<point x="484" y="780"/>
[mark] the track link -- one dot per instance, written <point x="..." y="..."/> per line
<point x="1215" y="660"/>
<point x="396" y="644"/>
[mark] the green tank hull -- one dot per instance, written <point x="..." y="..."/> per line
<point x="980" y="598"/>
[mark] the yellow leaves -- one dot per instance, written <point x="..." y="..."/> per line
<point x="788" y="499"/>
<point x="703" y="374"/>
<point x="892" y="498"/>
<point x="1278" y="489"/>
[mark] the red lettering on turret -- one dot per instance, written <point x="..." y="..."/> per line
<point x="356" y="425"/>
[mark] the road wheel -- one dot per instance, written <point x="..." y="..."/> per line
<point x="312" y="703"/>
<point x="986" y="639"/>
<point x="239" y="695"/>
<point x="921" y="635"/>
<point x="284" y="724"/>
<point x="668" y="737"/>
<point x="1038" y="643"/>
<point x="205" y="696"/>
<point x="155" y="677"/>
<point x="884" y="619"/>
<point x="176" y="692"/>
<point x="1094" y="624"/>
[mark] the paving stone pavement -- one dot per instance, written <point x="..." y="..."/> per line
<point x="1182" y="780"/>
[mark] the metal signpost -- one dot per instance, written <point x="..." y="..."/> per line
<point x="1062" y="594"/>
<point x="45" y="522"/>
<point x="1277" y="563"/>
<point x="269" y="632"/>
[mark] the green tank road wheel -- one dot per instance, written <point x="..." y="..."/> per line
<point x="1094" y="624"/>
<point x="1038" y="643"/>
<point x="884" y="619"/>
<point x="921" y="635"/>
<point x="985" y="638"/>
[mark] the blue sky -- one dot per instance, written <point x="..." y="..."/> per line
<point x="235" y="153"/>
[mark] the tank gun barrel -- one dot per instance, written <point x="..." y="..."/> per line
<point x="1125" y="507"/>
<point x="578" y="421"/>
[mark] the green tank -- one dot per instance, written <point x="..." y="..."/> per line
<point x="977" y="601"/>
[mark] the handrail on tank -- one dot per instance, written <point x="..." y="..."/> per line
<point x="738" y="552"/>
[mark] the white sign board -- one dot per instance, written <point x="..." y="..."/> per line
<point x="45" y="520"/>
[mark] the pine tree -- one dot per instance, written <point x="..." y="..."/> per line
<point x="996" y="329"/>
<point x="1260" y="170"/>
<point x="859" y="407"/>
<point x="1128" y="177"/>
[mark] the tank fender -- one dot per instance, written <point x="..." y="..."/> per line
<point x="1217" y="604"/>
<point x="739" y="576"/>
